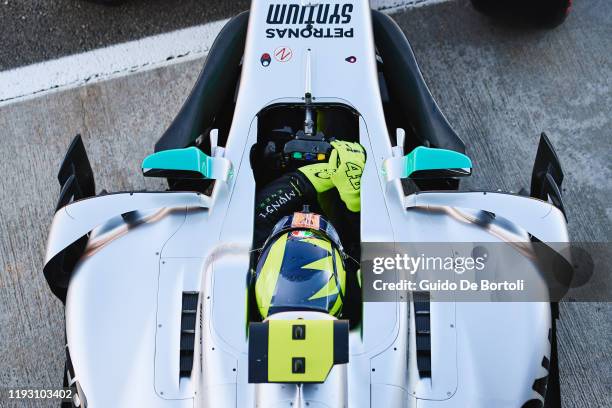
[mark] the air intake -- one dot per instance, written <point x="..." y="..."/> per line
<point x="423" y="333"/>
<point x="188" y="323"/>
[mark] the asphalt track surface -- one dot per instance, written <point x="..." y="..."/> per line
<point x="38" y="30"/>
<point x="498" y="85"/>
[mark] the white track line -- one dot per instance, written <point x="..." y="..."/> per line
<point x="391" y="6"/>
<point x="104" y="63"/>
<point x="123" y="59"/>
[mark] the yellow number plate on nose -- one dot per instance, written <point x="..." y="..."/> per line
<point x="296" y="351"/>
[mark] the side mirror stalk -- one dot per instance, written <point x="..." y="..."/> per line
<point x="400" y="135"/>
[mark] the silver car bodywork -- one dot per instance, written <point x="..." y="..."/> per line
<point x="123" y="305"/>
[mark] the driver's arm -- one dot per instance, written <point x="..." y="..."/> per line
<point x="343" y="171"/>
<point x="290" y="192"/>
<point x="281" y="197"/>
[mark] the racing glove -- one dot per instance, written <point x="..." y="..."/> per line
<point x="345" y="165"/>
<point x="319" y="176"/>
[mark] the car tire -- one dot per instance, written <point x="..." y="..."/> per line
<point x="543" y="13"/>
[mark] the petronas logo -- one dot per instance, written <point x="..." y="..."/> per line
<point x="322" y="14"/>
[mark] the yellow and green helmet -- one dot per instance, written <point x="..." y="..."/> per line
<point x="301" y="267"/>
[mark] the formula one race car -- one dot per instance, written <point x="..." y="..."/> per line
<point x="180" y="299"/>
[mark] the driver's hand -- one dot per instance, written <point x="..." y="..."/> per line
<point x="318" y="175"/>
<point x="346" y="163"/>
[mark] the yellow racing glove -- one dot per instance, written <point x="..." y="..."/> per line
<point x="346" y="163"/>
<point x="318" y="175"/>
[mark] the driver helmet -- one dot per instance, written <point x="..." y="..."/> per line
<point x="301" y="267"/>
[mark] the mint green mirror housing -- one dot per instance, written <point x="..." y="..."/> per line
<point x="187" y="163"/>
<point x="426" y="162"/>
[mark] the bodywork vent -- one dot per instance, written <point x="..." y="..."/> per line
<point x="188" y="323"/>
<point x="423" y="333"/>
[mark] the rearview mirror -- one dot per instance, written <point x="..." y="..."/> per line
<point x="425" y="162"/>
<point x="187" y="163"/>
